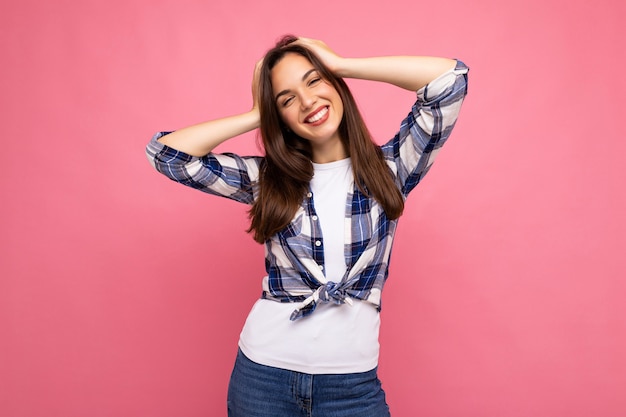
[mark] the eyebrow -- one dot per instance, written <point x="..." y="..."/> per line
<point x="304" y="77"/>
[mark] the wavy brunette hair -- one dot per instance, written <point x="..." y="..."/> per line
<point x="286" y="170"/>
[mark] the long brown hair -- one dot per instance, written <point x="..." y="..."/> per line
<point x="286" y="170"/>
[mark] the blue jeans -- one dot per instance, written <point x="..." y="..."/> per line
<point x="263" y="391"/>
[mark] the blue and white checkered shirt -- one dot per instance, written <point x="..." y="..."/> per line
<point x="294" y="257"/>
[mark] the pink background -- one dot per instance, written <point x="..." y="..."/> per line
<point x="506" y="295"/>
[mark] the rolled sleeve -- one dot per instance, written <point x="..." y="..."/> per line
<point x="226" y="175"/>
<point x="411" y="153"/>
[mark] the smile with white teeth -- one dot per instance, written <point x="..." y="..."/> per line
<point x="317" y="116"/>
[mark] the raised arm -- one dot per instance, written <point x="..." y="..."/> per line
<point x="408" y="72"/>
<point x="200" y="139"/>
<point x="441" y="86"/>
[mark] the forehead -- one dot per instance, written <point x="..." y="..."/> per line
<point x="288" y="72"/>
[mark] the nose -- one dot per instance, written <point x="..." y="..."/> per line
<point x="307" y="100"/>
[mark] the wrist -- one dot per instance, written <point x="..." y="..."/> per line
<point x="253" y="118"/>
<point x="342" y="68"/>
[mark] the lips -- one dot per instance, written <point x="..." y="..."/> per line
<point x="317" y="116"/>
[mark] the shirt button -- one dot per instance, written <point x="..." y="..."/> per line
<point x="322" y="267"/>
<point x="318" y="243"/>
<point x="309" y="195"/>
<point x="314" y="217"/>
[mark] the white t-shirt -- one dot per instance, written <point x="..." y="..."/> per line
<point x="337" y="338"/>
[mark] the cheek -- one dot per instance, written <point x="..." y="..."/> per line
<point x="336" y="98"/>
<point x="288" y="118"/>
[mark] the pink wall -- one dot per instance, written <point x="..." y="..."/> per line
<point x="506" y="297"/>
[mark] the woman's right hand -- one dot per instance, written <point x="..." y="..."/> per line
<point x="255" y="85"/>
<point x="202" y="138"/>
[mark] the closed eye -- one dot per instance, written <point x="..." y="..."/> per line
<point x="314" y="81"/>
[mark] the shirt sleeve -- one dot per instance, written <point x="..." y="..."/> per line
<point x="226" y="175"/>
<point x="424" y="131"/>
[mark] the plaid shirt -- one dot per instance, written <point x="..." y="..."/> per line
<point x="294" y="257"/>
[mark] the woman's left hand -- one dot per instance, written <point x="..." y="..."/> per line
<point x="323" y="52"/>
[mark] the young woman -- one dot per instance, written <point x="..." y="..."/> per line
<point x="325" y="200"/>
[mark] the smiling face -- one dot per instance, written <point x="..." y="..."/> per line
<point x="309" y="105"/>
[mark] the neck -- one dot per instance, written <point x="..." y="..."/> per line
<point x="329" y="153"/>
